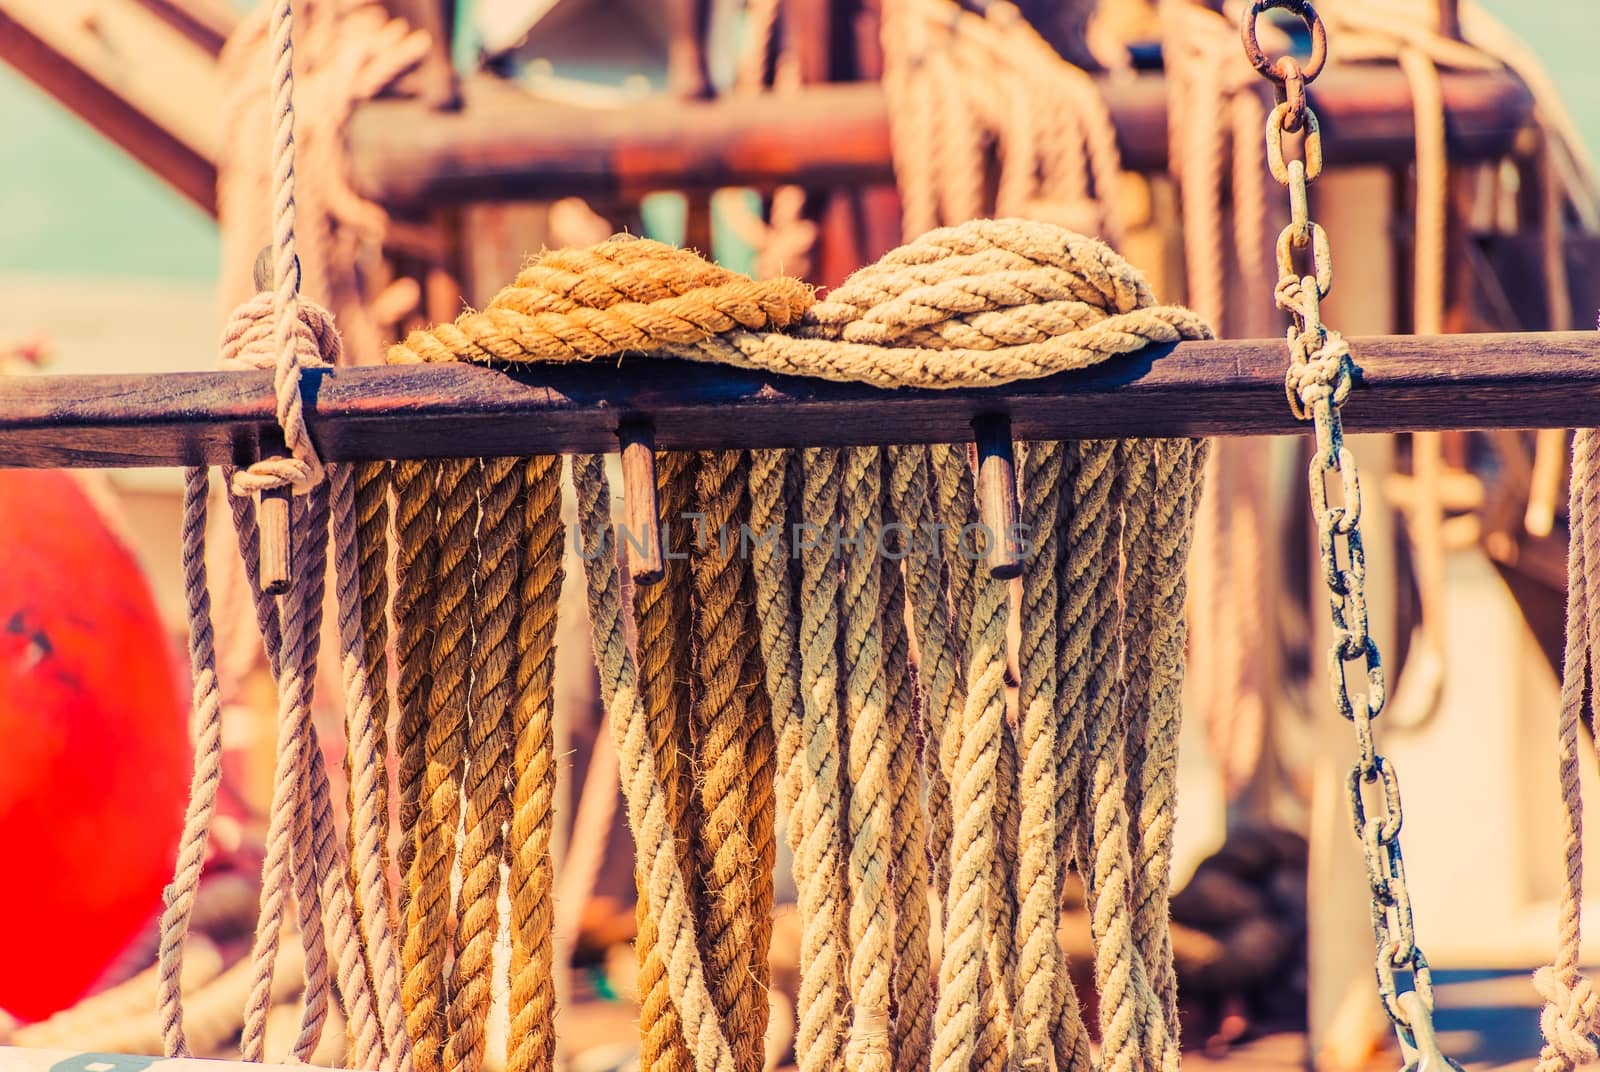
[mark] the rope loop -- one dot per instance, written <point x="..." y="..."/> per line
<point x="249" y="342"/>
<point x="1570" y="1019"/>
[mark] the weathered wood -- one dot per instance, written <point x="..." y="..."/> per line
<point x="997" y="495"/>
<point x="505" y="144"/>
<point x="135" y="76"/>
<point x="1202" y="388"/>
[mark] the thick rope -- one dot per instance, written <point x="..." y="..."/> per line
<point x="822" y="999"/>
<point x="1041" y="967"/>
<point x="1091" y="623"/>
<point x="963" y="546"/>
<point x="824" y="844"/>
<point x="986" y="303"/>
<point x="368" y="825"/>
<point x="731" y="888"/>
<point x="939" y="667"/>
<point x="499" y="534"/>
<point x="913" y="981"/>
<point x="531" y="878"/>
<point x="668" y="894"/>
<point x="428" y="943"/>
<point x="372" y="487"/>
<point x="416" y="557"/>
<point x="664" y="620"/>
<point x="1080" y="539"/>
<point x="866" y="726"/>
<point x="972" y="754"/>
<point x="1155" y="692"/>
<point x="368" y="569"/>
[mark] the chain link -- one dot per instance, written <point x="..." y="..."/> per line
<point x="1318" y="381"/>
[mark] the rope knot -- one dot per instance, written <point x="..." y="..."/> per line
<point x="249" y="342"/>
<point x="1325" y="373"/>
<point x="1570" y="1019"/>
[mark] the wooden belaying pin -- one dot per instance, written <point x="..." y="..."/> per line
<point x="642" y="517"/>
<point x="272" y="509"/>
<point x="272" y="523"/>
<point x="997" y="495"/>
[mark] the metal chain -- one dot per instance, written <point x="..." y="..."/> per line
<point x="1318" y="381"/>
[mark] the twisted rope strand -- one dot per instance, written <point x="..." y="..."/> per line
<point x="912" y="967"/>
<point x="975" y="747"/>
<point x="427" y="947"/>
<point x="531" y="879"/>
<point x="372" y="485"/>
<point x="664" y="619"/>
<point x="1571" y="1015"/>
<point x="821" y="1029"/>
<point x="824" y="846"/>
<point x="668" y="893"/>
<point x="206" y="729"/>
<point x="416" y="559"/>
<point x="931" y="619"/>
<point x="494" y="612"/>
<point x="1171" y="527"/>
<point x="724" y="856"/>
<point x="1040" y="964"/>
<point x="866" y="724"/>
<point x="368" y="825"/>
<point x="293" y="692"/>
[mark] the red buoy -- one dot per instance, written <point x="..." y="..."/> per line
<point x="94" y="750"/>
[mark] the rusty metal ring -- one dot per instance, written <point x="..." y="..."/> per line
<point x="1307" y="14"/>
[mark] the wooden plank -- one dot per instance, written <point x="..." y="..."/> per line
<point x="506" y="144"/>
<point x="458" y="410"/>
<point x="132" y="75"/>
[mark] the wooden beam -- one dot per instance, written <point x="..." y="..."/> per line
<point x="457" y="410"/>
<point x="505" y="144"/>
<point x="131" y="74"/>
<point x="208" y="23"/>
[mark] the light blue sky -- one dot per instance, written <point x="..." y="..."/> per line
<point x="74" y="205"/>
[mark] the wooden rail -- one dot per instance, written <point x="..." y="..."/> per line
<point x="1203" y="388"/>
<point x="505" y="144"/>
<point x="143" y="74"/>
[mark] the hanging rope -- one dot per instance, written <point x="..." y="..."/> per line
<point x="283" y="333"/>
<point x="1571" y="1017"/>
<point x="1012" y="299"/>
<point x="781" y="663"/>
<point x="531" y="878"/>
<point x="664" y="621"/>
<point x="735" y="802"/>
